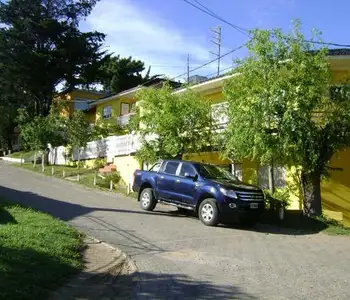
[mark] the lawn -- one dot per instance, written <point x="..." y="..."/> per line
<point x="86" y="176"/>
<point x="38" y="253"/>
<point x="23" y="154"/>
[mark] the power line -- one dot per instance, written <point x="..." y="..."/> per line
<point x="245" y="31"/>
<point x="197" y="68"/>
<point x="209" y="12"/>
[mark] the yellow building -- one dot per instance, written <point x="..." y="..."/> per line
<point x="78" y="99"/>
<point x="118" y="108"/>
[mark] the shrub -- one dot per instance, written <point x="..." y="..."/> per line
<point x="115" y="177"/>
<point x="280" y="198"/>
<point x="100" y="163"/>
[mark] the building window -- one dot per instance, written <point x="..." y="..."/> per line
<point x="107" y="112"/>
<point x="125" y="109"/>
<point x="81" y="105"/>
<point x="279" y="176"/>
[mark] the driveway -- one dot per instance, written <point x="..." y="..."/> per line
<point x="179" y="258"/>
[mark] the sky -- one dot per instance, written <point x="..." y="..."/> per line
<point x="162" y="33"/>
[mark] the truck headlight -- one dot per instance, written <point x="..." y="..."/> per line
<point x="229" y="193"/>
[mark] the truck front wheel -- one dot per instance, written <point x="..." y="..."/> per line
<point x="208" y="212"/>
<point x="147" y="200"/>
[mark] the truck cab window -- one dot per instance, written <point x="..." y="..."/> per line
<point x="155" y="167"/>
<point x="171" y="167"/>
<point x="186" y="168"/>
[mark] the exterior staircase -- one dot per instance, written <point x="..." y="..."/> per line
<point x="109" y="168"/>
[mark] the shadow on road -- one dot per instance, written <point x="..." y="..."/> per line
<point x="46" y="274"/>
<point x="292" y="225"/>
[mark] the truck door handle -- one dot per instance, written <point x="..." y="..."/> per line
<point x="177" y="180"/>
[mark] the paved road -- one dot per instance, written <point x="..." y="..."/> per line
<point x="179" y="258"/>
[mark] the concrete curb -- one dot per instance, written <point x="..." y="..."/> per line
<point x="130" y="262"/>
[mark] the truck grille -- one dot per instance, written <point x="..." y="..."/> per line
<point x="250" y="196"/>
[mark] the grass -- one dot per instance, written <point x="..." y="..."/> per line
<point x="38" y="253"/>
<point x="86" y="176"/>
<point x="24" y="154"/>
<point x="297" y="221"/>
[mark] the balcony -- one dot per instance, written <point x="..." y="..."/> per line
<point x="123" y="120"/>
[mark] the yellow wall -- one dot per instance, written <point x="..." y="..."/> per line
<point x="116" y="108"/>
<point x="336" y="190"/>
<point x="66" y="100"/>
<point x="126" y="166"/>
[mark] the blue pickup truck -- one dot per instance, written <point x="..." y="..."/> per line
<point x="210" y="191"/>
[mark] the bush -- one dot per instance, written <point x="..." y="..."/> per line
<point x="115" y="177"/>
<point x="100" y="163"/>
<point x="280" y="198"/>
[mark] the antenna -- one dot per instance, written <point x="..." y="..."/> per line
<point x="216" y="39"/>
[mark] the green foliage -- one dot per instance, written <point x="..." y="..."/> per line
<point x="171" y="124"/>
<point x="100" y="163"/>
<point x="39" y="131"/>
<point x="280" y="198"/>
<point x="120" y="74"/>
<point x="114" y="177"/>
<point x="79" y="132"/>
<point x="41" y="46"/>
<point x="280" y="107"/>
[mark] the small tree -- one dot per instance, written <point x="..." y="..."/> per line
<point x="171" y="124"/>
<point x="38" y="132"/>
<point x="79" y="132"/>
<point x="280" y="109"/>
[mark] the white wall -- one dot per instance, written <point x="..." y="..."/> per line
<point x="109" y="147"/>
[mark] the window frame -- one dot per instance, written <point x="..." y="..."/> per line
<point x="121" y="108"/>
<point x="176" y="171"/>
<point x="192" y="167"/>
<point x="107" y="116"/>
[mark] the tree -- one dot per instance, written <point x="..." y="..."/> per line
<point x="41" y="46"/>
<point x="79" y="132"/>
<point x="280" y="109"/>
<point x="119" y="74"/>
<point x="38" y="132"/>
<point x="171" y="124"/>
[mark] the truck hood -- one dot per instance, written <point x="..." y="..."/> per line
<point x="235" y="185"/>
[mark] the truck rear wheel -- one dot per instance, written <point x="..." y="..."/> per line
<point x="208" y="212"/>
<point x="147" y="200"/>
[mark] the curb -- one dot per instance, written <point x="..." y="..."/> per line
<point x="128" y="260"/>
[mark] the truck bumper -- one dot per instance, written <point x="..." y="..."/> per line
<point x="241" y="211"/>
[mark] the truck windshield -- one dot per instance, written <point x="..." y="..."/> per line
<point x="214" y="172"/>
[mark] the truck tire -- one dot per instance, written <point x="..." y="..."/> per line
<point x="208" y="212"/>
<point x="147" y="200"/>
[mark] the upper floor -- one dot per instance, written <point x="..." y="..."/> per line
<point x="117" y="109"/>
<point x="78" y="99"/>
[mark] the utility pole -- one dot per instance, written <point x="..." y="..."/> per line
<point x="188" y="68"/>
<point x="216" y="39"/>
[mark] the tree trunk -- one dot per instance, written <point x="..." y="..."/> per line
<point x="34" y="162"/>
<point x="311" y="189"/>
<point x="78" y="166"/>
<point x="271" y="178"/>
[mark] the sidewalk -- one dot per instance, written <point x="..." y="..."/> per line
<point x="108" y="275"/>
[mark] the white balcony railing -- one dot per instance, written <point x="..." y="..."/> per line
<point x="123" y="120"/>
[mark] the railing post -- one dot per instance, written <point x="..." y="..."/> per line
<point x="111" y="185"/>
<point x="52" y="171"/>
<point x="63" y="173"/>
<point x="95" y="175"/>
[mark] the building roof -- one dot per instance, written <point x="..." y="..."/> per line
<point x="339" y="51"/>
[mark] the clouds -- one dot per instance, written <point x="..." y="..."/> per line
<point x="135" y="29"/>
